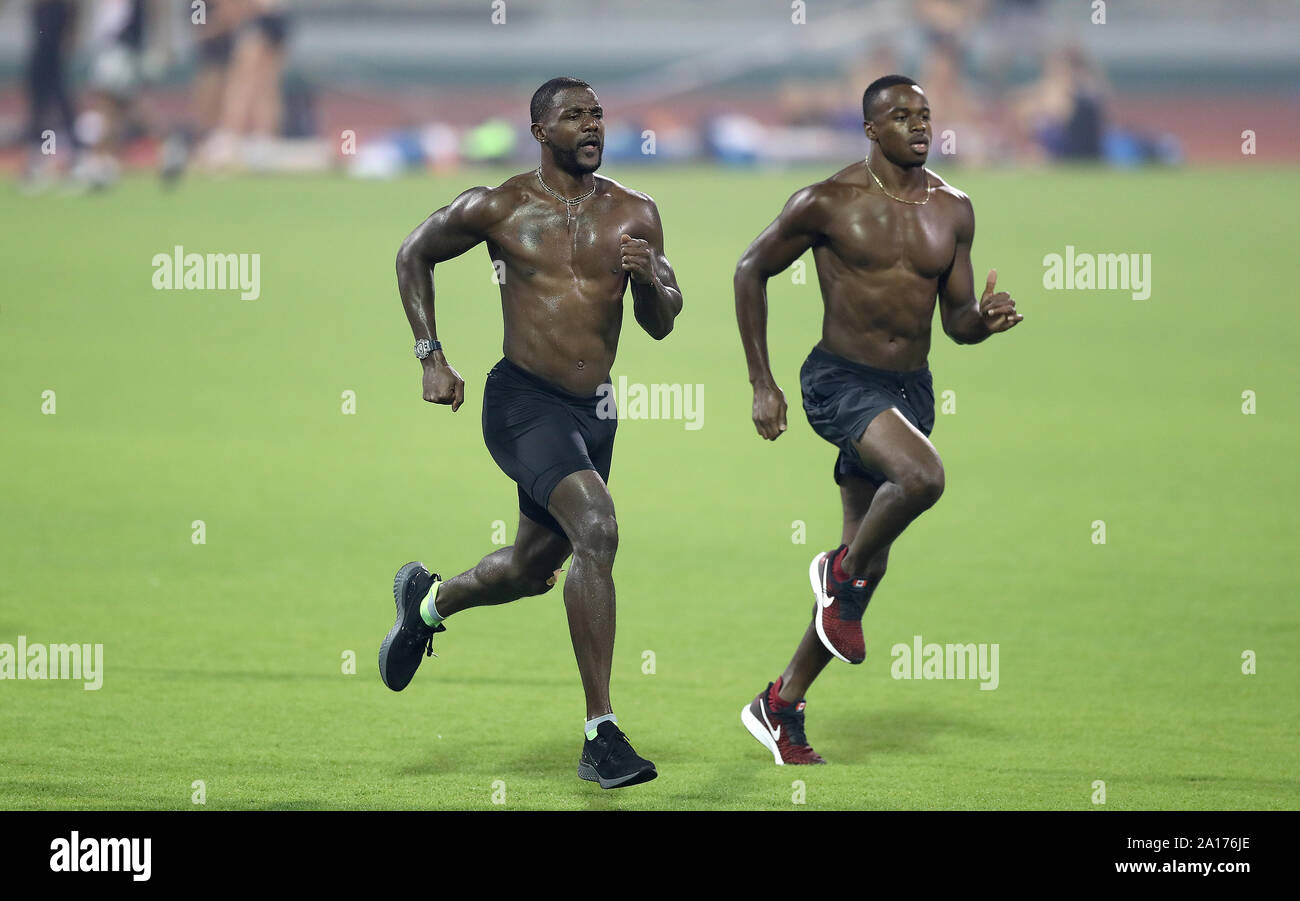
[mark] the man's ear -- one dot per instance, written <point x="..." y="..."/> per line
<point x="539" y="134"/>
<point x="869" y="130"/>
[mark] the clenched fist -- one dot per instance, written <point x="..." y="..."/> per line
<point x="637" y="259"/>
<point x="443" y="385"/>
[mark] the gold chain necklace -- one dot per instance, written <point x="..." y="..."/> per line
<point x="928" y="190"/>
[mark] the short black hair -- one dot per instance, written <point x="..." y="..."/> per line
<point x="876" y="87"/>
<point x="544" y="96"/>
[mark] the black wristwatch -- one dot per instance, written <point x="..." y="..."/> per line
<point x="424" y="347"/>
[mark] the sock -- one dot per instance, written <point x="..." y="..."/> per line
<point x="837" y="571"/>
<point x="590" y="728"/>
<point x="774" y="699"/>
<point x="428" y="612"/>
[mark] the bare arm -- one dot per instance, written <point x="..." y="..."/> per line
<point x="965" y="320"/>
<point x="447" y="233"/>
<point x="656" y="299"/>
<point x="797" y="228"/>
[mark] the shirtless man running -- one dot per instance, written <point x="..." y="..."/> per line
<point x="571" y="243"/>
<point x="888" y="237"/>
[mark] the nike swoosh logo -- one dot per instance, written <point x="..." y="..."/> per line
<point x="776" y="733"/>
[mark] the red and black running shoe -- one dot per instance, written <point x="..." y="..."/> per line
<point x="780" y="731"/>
<point x="839" y="608"/>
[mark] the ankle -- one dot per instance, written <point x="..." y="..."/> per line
<point x="777" y="699"/>
<point x="843" y="566"/>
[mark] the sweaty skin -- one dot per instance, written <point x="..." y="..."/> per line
<point x="882" y="263"/>
<point x="563" y="273"/>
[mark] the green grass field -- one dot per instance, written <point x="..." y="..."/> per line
<point x="223" y="662"/>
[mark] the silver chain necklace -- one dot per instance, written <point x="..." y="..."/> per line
<point x="568" y="204"/>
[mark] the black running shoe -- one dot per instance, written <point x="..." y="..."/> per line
<point x="610" y="760"/>
<point x="410" y="639"/>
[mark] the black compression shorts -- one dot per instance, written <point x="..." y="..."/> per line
<point x="538" y="433"/>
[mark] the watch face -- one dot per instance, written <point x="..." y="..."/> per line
<point x="422" y="348"/>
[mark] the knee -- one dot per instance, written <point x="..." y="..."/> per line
<point x="596" y="535"/>
<point x="923" y="484"/>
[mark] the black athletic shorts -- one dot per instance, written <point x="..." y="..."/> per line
<point x="538" y="433"/>
<point x="842" y="397"/>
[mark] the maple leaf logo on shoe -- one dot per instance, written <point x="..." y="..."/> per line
<point x="859" y="583"/>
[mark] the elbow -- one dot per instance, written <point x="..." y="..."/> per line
<point x="954" y="331"/>
<point x="966" y="337"/>
<point x="749" y="280"/>
<point x="408" y="256"/>
<point x="658" y="330"/>
<point x="746" y="271"/>
<point x="662" y="327"/>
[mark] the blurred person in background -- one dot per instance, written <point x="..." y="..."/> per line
<point x="1063" y="115"/>
<point x="216" y="46"/>
<point x="251" y="104"/>
<point x="49" y="104"/>
<point x="1011" y="41"/>
<point x="119" y="31"/>
<point x="963" y="114"/>
<point x="948" y="21"/>
<point x="214" y="40"/>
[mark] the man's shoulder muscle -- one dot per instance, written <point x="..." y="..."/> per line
<point x="962" y="211"/>
<point x="624" y="194"/>
<point x="813" y="208"/>
<point x="482" y="207"/>
<point x="638" y="204"/>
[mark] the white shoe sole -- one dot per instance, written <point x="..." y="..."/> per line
<point x="756" y="729"/>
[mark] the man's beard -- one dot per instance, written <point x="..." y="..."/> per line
<point x="572" y="163"/>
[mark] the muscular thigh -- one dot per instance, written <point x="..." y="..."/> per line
<point x="896" y="448"/>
